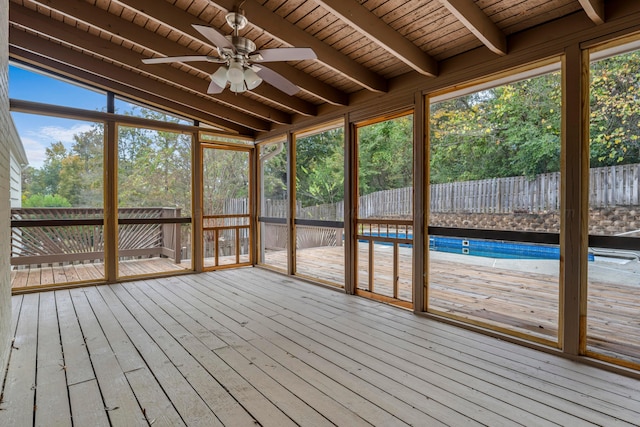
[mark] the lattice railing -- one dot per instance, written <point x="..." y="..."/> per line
<point x="50" y="235"/>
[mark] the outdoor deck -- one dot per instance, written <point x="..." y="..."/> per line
<point x="30" y="276"/>
<point x="519" y="295"/>
<point x="252" y="347"/>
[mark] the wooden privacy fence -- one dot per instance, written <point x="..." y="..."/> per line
<point x="498" y="195"/>
<point x="608" y="187"/>
<point x="326" y="212"/>
<point x="614" y="186"/>
<point x="77" y="234"/>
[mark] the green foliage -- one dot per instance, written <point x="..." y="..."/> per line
<point x="510" y="130"/>
<point x="385" y="155"/>
<point x="615" y="110"/>
<point x="274" y="172"/>
<point x="225" y="177"/>
<point x="154" y="168"/>
<point x="71" y="181"/>
<point x="50" y="173"/>
<point x="320" y="168"/>
<point x="45" y="201"/>
<point x="514" y="130"/>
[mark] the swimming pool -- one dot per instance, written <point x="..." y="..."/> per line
<point x="485" y="248"/>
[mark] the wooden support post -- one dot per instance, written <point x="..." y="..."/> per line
<point x="350" y="208"/>
<point x="177" y="238"/>
<point x="574" y="202"/>
<point x="291" y="198"/>
<point x="396" y="276"/>
<point x="111" y="195"/>
<point x="371" y="261"/>
<point x="197" y="244"/>
<point x="237" y="243"/>
<point x="420" y="204"/>
<point x="216" y="246"/>
<point x="254" y="194"/>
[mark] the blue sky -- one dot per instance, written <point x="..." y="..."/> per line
<point x="38" y="132"/>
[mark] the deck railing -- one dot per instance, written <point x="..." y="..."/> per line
<point x="61" y="235"/>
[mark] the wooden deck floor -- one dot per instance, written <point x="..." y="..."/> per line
<point x="520" y="296"/>
<point x="251" y="347"/>
<point x="28" y="276"/>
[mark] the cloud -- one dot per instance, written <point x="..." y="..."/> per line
<point x="34" y="150"/>
<point x="59" y="133"/>
<point x="37" y="140"/>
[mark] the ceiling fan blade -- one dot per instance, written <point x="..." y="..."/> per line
<point x="192" y="58"/>
<point x="214" y="36"/>
<point x="214" y="88"/>
<point x="276" y="80"/>
<point x="283" y="54"/>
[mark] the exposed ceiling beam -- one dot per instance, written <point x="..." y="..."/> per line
<point x="368" y="24"/>
<point x="478" y="23"/>
<point x="273" y="24"/>
<point x="129" y="92"/>
<point x="99" y="46"/>
<point x="95" y="66"/>
<point x="112" y="24"/>
<point x="594" y="10"/>
<point x="310" y="84"/>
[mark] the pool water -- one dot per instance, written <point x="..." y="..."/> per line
<point x="486" y="248"/>
<point x="493" y="249"/>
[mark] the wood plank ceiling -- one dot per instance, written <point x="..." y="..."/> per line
<point x="361" y="45"/>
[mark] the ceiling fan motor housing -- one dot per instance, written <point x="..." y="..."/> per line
<point x="242" y="45"/>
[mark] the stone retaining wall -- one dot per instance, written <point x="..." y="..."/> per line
<point x="604" y="221"/>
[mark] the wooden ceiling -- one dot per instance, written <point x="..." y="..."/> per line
<point x="362" y="46"/>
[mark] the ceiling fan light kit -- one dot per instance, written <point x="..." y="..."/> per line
<point x="239" y="80"/>
<point x="238" y="55"/>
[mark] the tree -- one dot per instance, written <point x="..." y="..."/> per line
<point x="71" y="183"/>
<point x="45" y="201"/>
<point x="88" y="148"/>
<point x="50" y="172"/>
<point x="615" y="110"/>
<point x="154" y="167"/>
<point x="320" y="168"/>
<point x="510" y="130"/>
<point x="274" y="172"/>
<point x="225" y="177"/>
<point x="385" y="155"/>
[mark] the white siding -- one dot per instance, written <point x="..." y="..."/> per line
<point x="7" y="133"/>
<point x="15" y="181"/>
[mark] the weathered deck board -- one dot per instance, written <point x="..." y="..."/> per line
<point x="392" y="353"/>
<point x="252" y="347"/>
<point x="448" y="378"/>
<point x="523" y="301"/>
<point x="20" y="382"/>
<point x="29" y="276"/>
<point x="190" y="406"/>
<point x="119" y="400"/>
<point x="53" y="407"/>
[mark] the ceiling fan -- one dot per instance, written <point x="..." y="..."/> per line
<point x="242" y="68"/>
